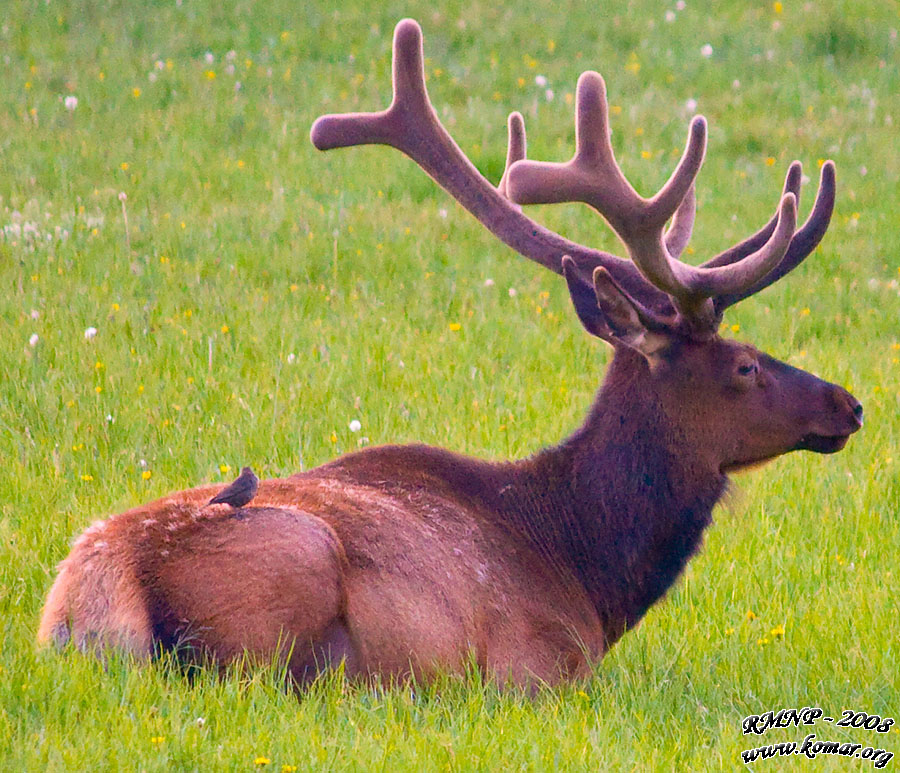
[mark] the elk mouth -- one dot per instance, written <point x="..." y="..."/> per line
<point x="819" y="444"/>
<point x="822" y="444"/>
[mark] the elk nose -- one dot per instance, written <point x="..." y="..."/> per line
<point x="848" y="402"/>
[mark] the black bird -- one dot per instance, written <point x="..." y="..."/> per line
<point x="240" y="492"/>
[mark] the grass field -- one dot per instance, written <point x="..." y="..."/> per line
<point x="251" y="297"/>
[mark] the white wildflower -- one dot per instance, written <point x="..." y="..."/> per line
<point x="355" y="426"/>
<point x="488" y="282"/>
<point x="680" y="5"/>
<point x="32" y="342"/>
<point x="735" y="84"/>
<point x="549" y="95"/>
<point x="442" y="213"/>
<point x="691" y="105"/>
<point x="512" y="292"/>
<point x="89" y="333"/>
<point x="540" y="80"/>
<point x="706" y="51"/>
<point x="35" y="314"/>
<point x="71" y="102"/>
<point x="209" y="57"/>
<point x="670" y="16"/>
<point x="291" y="358"/>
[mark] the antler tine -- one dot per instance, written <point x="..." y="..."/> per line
<point x="735" y="278"/>
<point x="593" y="176"/>
<point x="410" y="101"/>
<point x="802" y="244"/>
<point x="752" y="243"/>
<point x="679" y="232"/>
<point x="515" y="150"/>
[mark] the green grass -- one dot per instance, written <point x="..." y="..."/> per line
<point x="265" y="295"/>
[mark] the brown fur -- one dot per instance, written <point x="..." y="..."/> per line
<point x="410" y="559"/>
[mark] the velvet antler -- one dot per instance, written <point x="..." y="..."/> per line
<point x="661" y="282"/>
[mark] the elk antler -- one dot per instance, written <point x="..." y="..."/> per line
<point x="594" y="177"/>
<point x="411" y="126"/>
<point x="661" y="282"/>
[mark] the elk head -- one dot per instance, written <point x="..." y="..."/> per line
<point x="737" y="405"/>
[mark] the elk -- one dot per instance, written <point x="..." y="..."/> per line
<point x="410" y="560"/>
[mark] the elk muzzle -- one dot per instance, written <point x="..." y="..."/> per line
<point x="842" y="417"/>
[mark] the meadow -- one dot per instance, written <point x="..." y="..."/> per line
<point x="189" y="286"/>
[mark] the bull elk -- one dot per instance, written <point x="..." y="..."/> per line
<point x="403" y="560"/>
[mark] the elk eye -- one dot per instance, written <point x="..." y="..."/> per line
<point x="747" y="369"/>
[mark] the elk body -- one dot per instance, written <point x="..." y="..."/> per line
<point x="409" y="559"/>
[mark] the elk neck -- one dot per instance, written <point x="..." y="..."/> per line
<point x="622" y="503"/>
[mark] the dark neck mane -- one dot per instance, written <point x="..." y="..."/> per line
<point x="618" y="507"/>
<point x="621" y="504"/>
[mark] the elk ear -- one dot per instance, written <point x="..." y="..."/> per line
<point x="608" y="312"/>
